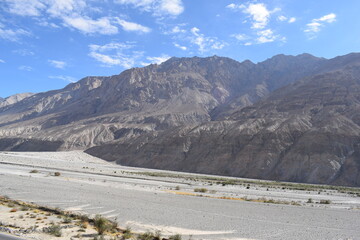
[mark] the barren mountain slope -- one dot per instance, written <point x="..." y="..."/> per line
<point x="308" y="131"/>
<point x="180" y="91"/>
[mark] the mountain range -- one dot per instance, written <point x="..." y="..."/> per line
<point x="288" y="118"/>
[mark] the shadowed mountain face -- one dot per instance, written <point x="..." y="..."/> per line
<point x="287" y="118"/>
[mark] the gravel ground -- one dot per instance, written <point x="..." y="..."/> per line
<point x="92" y="186"/>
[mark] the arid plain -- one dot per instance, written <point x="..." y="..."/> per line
<point x="201" y="206"/>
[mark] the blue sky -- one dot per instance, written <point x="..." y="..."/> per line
<point x="46" y="44"/>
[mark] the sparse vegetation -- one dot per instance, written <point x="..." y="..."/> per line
<point x="266" y="184"/>
<point x="146" y="236"/>
<point x="309" y="200"/>
<point x="57" y="174"/>
<point x="54" y="230"/>
<point x="175" y="237"/>
<point x="101" y="224"/>
<point x="34" y="171"/>
<point x="67" y="219"/>
<point x="127" y="233"/>
<point x="325" y="201"/>
<point x="202" y="190"/>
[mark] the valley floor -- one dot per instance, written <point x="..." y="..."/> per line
<point x="205" y="207"/>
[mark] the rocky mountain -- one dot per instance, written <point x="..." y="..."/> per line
<point x="292" y="118"/>
<point x="14" y="99"/>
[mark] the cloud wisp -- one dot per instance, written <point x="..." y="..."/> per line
<point x="316" y="24"/>
<point x="73" y="14"/>
<point x="57" y="64"/>
<point x="64" y="78"/>
<point x="115" y="54"/>
<point x="159" y="8"/>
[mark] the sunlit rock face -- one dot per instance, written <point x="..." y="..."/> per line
<point x="292" y="118"/>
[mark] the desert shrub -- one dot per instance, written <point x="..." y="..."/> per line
<point x="202" y="190"/>
<point x="127" y="233"/>
<point x="157" y="235"/>
<point x="325" y="201"/>
<point x="67" y="220"/>
<point x="34" y="171"/>
<point x="101" y="224"/>
<point x="146" y="236"/>
<point x="54" y="230"/>
<point x="24" y="208"/>
<point x="309" y="200"/>
<point x="57" y="174"/>
<point x="177" y="188"/>
<point x="175" y="237"/>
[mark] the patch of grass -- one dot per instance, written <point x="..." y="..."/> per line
<point x="157" y="235"/>
<point x="55" y="230"/>
<point x="146" y="236"/>
<point x="202" y="190"/>
<point x="127" y="233"/>
<point x="67" y="219"/>
<point x="175" y="237"/>
<point x="101" y="224"/>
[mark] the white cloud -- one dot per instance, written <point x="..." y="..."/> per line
<point x="89" y="26"/>
<point x="282" y="18"/>
<point x="316" y="24"/>
<point x="291" y="20"/>
<point x="266" y="36"/>
<point x="203" y="42"/>
<point x="156" y="60"/>
<point x="23" y="52"/>
<point x="177" y="29"/>
<point x="181" y="47"/>
<point x="259" y="14"/>
<point x="2" y="61"/>
<point x="61" y="8"/>
<point x="115" y="54"/>
<point x="218" y="45"/>
<point x="240" y="37"/>
<point x="25" y="68"/>
<point x="157" y="7"/>
<point x="172" y="7"/>
<point x="25" y="7"/>
<point x="57" y="64"/>
<point x="71" y="13"/>
<point x="232" y="6"/>
<point x="12" y="34"/>
<point x="327" y="18"/>
<point x="64" y="78"/>
<point x="130" y="26"/>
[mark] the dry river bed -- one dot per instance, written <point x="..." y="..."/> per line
<point x="187" y="204"/>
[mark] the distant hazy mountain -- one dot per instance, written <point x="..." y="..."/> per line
<point x="198" y="115"/>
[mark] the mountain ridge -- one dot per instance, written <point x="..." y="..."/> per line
<point x="246" y="118"/>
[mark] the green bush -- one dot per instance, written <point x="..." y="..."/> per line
<point x="101" y="224"/>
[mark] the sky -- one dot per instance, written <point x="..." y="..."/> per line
<point x="47" y="44"/>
